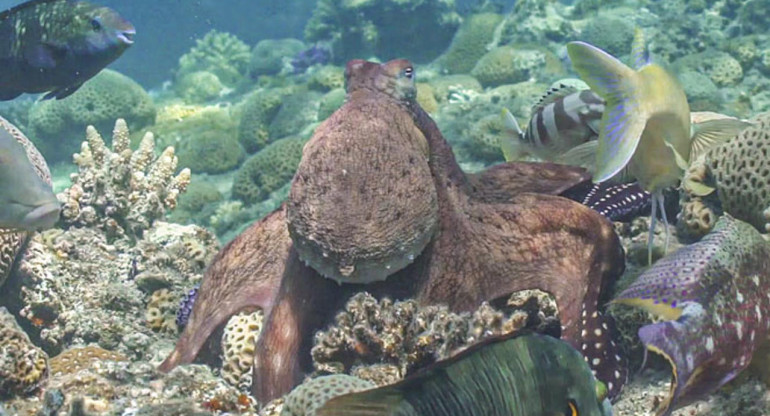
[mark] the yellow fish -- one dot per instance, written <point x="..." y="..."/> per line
<point x="646" y="123"/>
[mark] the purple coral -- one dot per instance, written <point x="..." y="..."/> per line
<point x="316" y="54"/>
<point x="185" y="307"/>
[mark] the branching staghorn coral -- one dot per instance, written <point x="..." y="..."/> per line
<point x="119" y="190"/>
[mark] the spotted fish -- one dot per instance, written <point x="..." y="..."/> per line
<point x="646" y="125"/>
<point x="715" y="296"/>
<point x="521" y="374"/>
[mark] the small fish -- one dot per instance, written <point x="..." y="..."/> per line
<point x="714" y="296"/>
<point x="27" y="202"/>
<point x="520" y="374"/>
<point x="562" y="120"/>
<point x="646" y="124"/>
<point x="54" y="46"/>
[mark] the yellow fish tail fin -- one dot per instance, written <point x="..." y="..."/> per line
<point x="624" y="118"/>
<point x="638" y="49"/>
<point x="510" y="141"/>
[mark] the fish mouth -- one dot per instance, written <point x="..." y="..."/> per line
<point x="127" y="36"/>
<point x="42" y="217"/>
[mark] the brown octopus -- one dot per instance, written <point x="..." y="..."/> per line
<point x="378" y="194"/>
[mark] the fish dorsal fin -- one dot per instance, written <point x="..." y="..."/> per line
<point x="375" y="402"/>
<point x="639" y="49"/>
<point x="711" y="133"/>
<point x="623" y="120"/>
<point x="509" y="141"/>
<point x="553" y="94"/>
<point x="32" y="3"/>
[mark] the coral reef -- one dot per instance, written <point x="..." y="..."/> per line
<point x="199" y="87"/>
<point x="312" y="394"/>
<point x="57" y="125"/>
<point x="259" y="110"/>
<point x="211" y="151"/>
<point x="239" y="343"/>
<point x="185" y="307"/>
<point x="507" y="65"/>
<point x="414" y="29"/>
<point x="161" y="311"/>
<point x="268" y="170"/>
<point x="219" y="53"/>
<point x="23" y="366"/>
<point x="270" y="56"/>
<point x="613" y="34"/>
<point x="470" y="43"/>
<point x="330" y="102"/>
<point x="326" y="78"/>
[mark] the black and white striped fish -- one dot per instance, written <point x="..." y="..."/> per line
<point x="562" y="120"/>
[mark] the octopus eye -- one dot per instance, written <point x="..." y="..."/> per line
<point x="408" y="72"/>
<point x="572" y="409"/>
<point x="96" y="25"/>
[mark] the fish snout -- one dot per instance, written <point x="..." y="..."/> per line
<point x="127" y="36"/>
<point x="43" y="217"/>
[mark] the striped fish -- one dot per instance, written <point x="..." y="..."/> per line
<point x="562" y="120"/>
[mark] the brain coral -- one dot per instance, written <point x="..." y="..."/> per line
<point x="220" y="53"/>
<point x="418" y="30"/>
<point x="210" y="151"/>
<point x="23" y="366"/>
<point x="268" y="170"/>
<point x="199" y="87"/>
<point x="612" y="34"/>
<point x="297" y="112"/>
<point x="58" y="125"/>
<point x="508" y="65"/>
<point x="309" y="396"/>
<point x="470" y="42"/>
<point x="239" y="342"/>
<point x="258" y="112"/>
<point x="326" y="78"/>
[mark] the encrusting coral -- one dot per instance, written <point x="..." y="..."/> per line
<point x="23" y="366"/>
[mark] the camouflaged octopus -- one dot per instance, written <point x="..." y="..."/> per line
<point x="378" y="199"/>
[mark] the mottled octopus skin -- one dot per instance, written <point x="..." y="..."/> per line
<point x="492" y="236"/>
<point x="716" y="292"/>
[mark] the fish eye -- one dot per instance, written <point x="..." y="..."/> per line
<point x="572" y="409"/>
<point x="96" y="25"/>
<point x="408" y="72"/>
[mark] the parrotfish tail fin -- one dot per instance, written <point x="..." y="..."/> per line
<point x="699" y="363"/>
<point x="509" y="142"/>
<point x="711" y="133"/>
<point x="623" y="120"/>
<point x="639" y="51"/>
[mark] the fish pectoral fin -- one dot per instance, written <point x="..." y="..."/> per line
<point x="510" y="141"/>
<point x="44" y="55"/>
<point x="680" y="162"/>
<point x="62" y="93"/>
<point x="583" y="155"/>
<point x="6" y="95"/>
<point x="708" y="134"/>
<point x="697" y="188"/>
<point x="624" y="120"/>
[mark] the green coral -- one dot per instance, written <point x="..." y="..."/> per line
<point x="702" y="93"/>
<point x="211" y="151"/>
<point x="326" y="78"/>
<point x="331" y="102"/>
<point x="178" y="124"/>
<point x="220" y="53"/>
<point x="414" y="29"/>
<point x="268" y="55"/>
<point x="297" y="112"/>
<point x="470" y="42"/>
<point x="508" y="65"/>
<point x="268" y="170"/>
<point x="484" y="138"/>
<point x="258" y="111"/>
<point x="444" y="87"/>
<point x="197" y="204"/>
<point x="612" y="34"/>
<point x="199" y="87"/>
<point x="309" y="396"/>
<point x="723" y="69"/>
<point x="58" y="125"/>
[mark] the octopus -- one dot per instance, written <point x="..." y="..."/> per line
<point x="379" y="203"/>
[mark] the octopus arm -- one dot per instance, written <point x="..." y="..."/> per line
<point x="246" y="274"/>
<point x="502" y="182"/>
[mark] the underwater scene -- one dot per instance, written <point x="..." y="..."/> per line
<point x="385" y="207"/>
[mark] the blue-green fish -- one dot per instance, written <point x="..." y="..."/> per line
<point x="715" y="296"/>
<point x="27" y="202"/>
<point x="54" y="46"/>
<point x="646" y="123"/>
<point x="521" y="374"/>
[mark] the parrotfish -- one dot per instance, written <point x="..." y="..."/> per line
<point x="27" y="202"/>
<point x="715" y="295"/>
<point x="521" y="374"/>
<point x="646" y="124"/>
<point x="54" y="46"/>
